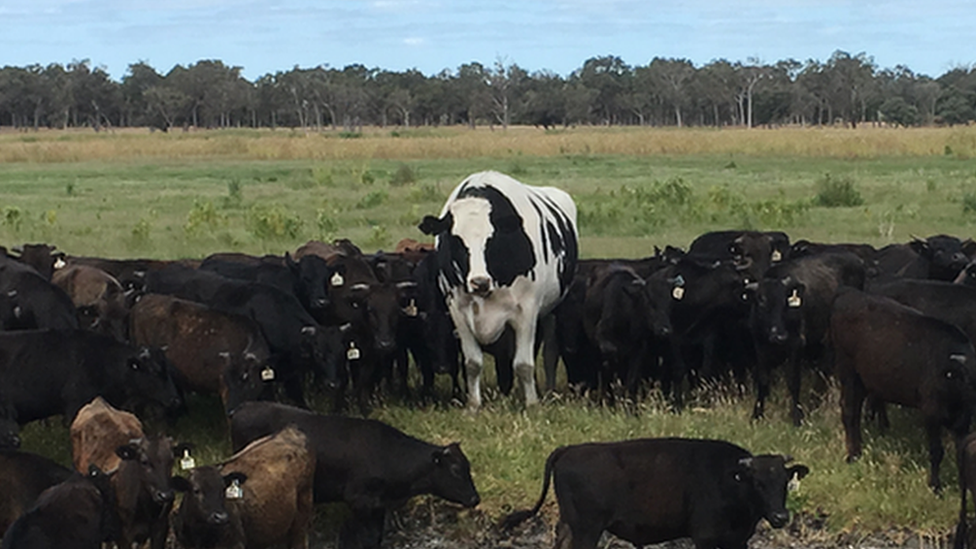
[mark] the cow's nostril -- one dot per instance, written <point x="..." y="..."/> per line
<point x="479" y="284"/>
<point x="218" y="518"/>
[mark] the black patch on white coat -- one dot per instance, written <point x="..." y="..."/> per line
<point x="508" y="251"/>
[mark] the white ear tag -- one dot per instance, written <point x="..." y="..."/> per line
<point x="234" y="491"/>
<point x="794" y="300"/>
<point x="411" y="309"/>
<point x="267" y="374"/>
<point x="678" y="292"/>
<point x="337" y="280"/>
<point x="59" y="264"/>
<point x="187" y="461"/>
<point x="777" y="256"/>
<point x="352" y="353"/>
<point x="794" y="483"/>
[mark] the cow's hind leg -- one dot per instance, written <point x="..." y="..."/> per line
<point x="852" y="396"/>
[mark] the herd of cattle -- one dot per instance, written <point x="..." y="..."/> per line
<point x="103" y="341"/>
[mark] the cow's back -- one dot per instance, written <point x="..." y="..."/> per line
<point x="277" y="495"/>
<point x="23" y="476"/>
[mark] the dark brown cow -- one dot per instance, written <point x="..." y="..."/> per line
<point x="894" y="353"/>
<point x="215" y="352"/>
<point x="98" y="296"/>
<point x="141" y="471"/>
<point x="23" y="476"/>
<point x="277" y="501"/>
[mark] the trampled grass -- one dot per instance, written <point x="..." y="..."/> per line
<point x="133" y="194"/>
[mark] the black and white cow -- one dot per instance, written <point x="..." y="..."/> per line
<point x="506" y="255"/>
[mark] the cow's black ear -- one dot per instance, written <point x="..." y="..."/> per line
<point x="229" y="478"/>
<point x="180" y="484"/>
<point x="799" y="471"/>
<point x="290" y="263"/>
<point x="433" y="226"/>
<point x="921" y="247"/>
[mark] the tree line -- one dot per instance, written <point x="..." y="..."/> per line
<point x="847" y="89"/>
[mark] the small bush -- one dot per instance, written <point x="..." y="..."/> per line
<point x="13" y="218"/>
<point x="69" y="188"/>
<point x="379" y="238"/>
<point x="371" y="200"/>
<point x="203" y="217"/>
<point x="837" y="192"/>
<point x="425" y="193"/>
<point x="235" y="194"/>
<point x="272" y="222"/>
<point x="140" y="233"/>
<point x="969" y="203"/>
<point x="404" y="175"/>
<point x="326" y="224"/>
<point x="367" y="178"/>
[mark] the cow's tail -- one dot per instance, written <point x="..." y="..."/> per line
<point x="518" y="517"/>
<point x="960" y="540"/>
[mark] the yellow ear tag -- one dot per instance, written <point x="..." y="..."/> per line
<point x="678" y="292"/>
<point x="337" y="280"/>
<point x="234" y="491"/>
<point x="794" y="300"/>
<point x="777" y="256"/>
<point x="411" y="309"/>
<point x="267" y="374"/>
<point x="187" y="461"/>
<point x="352" y="353"/>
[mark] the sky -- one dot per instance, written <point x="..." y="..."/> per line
<point x="928" y="36"/>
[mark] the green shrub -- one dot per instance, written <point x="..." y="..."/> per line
<point x="140" y="233"/>
<point x="13" y="218"/>
<point x="203" y="217"/>
<point x="326" y="224"/>
<point x="403" y="175"/>
<point x="425" y="193"/>
<point x="272" y="222"/>
<point x="836" y="192"/>
<point x="235" y="194"/>
<point x="371" y="200"/>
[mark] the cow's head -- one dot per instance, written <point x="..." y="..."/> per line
<point x="482" y="244"/>
<point x="247" y="375"/>
<point x="761" y="483"/>
<point x="947" y="255"/>
<point x="147" y="464"/>
<point x="312" y="274"/>
<point x="777" y="305"/>
<point x="450" y="476"/>
<point x="205" y="496"/>
<point x="149" y="378"/>
<point x="324" y="348"/>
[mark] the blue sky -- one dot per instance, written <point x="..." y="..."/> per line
<point x="930" y="37"/>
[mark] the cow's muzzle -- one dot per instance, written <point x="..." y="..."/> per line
<point x="479" y="285"/>
<point x="779" y="519"/>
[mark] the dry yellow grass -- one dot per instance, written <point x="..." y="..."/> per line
<point x="457" y="142"/>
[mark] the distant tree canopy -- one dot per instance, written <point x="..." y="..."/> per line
<point x="847" y="89"/>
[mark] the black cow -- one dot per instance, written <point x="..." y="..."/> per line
<point x="204" y="518"/>
<point x="749" y="251"/>
<point x="23" y="476"/>
<point x="623" y="314"/>
<point x="649" y="491"/>
<point x="76" y="514"/>
<point x="790" y="315"/>
<point x="306" y="279"/>
<point x="894" y="353"/>
<point x="43" y="258"/>
<point x="709" y="317"/>
<point x="365" y="463"/>
<point x="300" y="344"/>
<point x="939" y="257"/>
<point x="803" y="248"/>
<point x="32" y="301"/>
<point x="436" y="350"/>
<point x="50" y="372"/>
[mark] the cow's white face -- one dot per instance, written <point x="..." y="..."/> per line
<point x="472" y="226"/>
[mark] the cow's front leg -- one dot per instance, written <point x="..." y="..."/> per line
<point x="474" y="361"/>
<point x="525" y="356"/>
